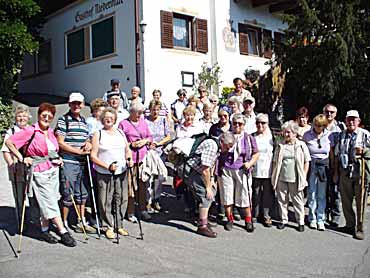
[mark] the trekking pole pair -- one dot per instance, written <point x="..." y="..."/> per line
<point x="115" y="205"/>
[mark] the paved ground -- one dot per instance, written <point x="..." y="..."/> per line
<point x="171" y="249"/>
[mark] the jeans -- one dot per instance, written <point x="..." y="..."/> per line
<point x="317" y="183"/>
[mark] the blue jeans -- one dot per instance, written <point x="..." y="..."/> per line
<point x="317" y="183"/>
<point x="74" y="176"/>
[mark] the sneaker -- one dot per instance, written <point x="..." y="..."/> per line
<point x="206" y="231"/>
<point x="300" y="228"/>
<point x="68" y="240"/>
<point x="132" y="218"/>
<point x="313" y="225"/>
<point x="109" y="234"/>
<point x="229" y="225"/>
<point x="321" y="226"/>
<point x="267" y="223"/>
<point x="123" y="232"/>
<point x="359" y="235"/>
<point x="48" y="237"/>
<point x="145" y="215"/>
<point x="249" y="227"/>
<point x="280" y="226"/>
<point x="150" y="210"/>
<point x="88" y="229"/>
<point x="157" y="207"/>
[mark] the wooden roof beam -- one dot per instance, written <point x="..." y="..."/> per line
<point x="283" y="6"/>
<point x="258" y="3"/>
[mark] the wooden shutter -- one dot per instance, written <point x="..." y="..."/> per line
<point x="166" y="29"/>
<point x="267" y="43"/>
<point x="201" y="31"/>
<point x="243" y="40"/>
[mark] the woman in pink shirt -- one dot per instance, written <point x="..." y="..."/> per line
<point x="40" y="154"/>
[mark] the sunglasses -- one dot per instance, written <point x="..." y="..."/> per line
<point x="223" y="116"/>
<point x="214" y="101"/>
<point x="262" y="123"/>
<point x="329" y="112"/>
<point x="182" y="95"/>
<point x="238" y="123"/>
<point x="319" y="143"/>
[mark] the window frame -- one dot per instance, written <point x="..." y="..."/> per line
<point x="190" y="22"/>
<point x="246" y="29"/>
<point x="36" y="71"/>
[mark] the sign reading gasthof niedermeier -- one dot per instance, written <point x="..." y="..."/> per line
<point x="97" y="9"/>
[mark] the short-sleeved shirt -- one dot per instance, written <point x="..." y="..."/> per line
<point x="250" y="123"/>
<point x="263" y="166"/>
<point x="75" y="135"/>
<point x="360" y="138"/>
<point x="217" y="131"/>
<point x="319" y="148"/>
<point x="9" y="133"/>
<point x="188" y="131"/>
<point x="177" y="108"/>
<point x="205" y="155"/>
<point x="159" y="130"/>
<point x="163" y="112"/>
<point x="93" y="125"/>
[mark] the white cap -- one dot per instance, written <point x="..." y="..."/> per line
<point x="76" y="96"/>
<point x="352" y="113"/>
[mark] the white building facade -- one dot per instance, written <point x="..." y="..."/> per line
<point x="156" y="44"/>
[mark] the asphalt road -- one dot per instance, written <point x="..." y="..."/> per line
<point x="171" y="248"/>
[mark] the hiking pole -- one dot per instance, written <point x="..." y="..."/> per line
<point x="16" y="196"/>
<point x="136" y="192"/>
<point x="93" y="195"/>
<point x="114" y="204"/>
<point x="11" y="245"/>
<point x="363" y="190"/>
<point x="28" y="178"/>
<point x="78" y="215"/>
<point x="249" y="195"/>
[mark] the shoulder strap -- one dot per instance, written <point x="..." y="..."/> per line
<point x="99" y="135"/>
<point x="29" y="141"/>
<point x="66" y="121"/>
<point x="13" y="130"/>
<point x="137" y="130"/>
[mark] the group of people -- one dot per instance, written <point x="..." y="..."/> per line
<point x="240" y="166"/>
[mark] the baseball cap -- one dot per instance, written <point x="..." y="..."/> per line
<point x="249" y="98"/>
<point x="114" y="81"/>
<point x="76" y="96"/>
<point x="352" y="113"/>
<point x="112" y="93"/>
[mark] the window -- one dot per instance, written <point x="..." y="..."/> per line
<point x="38" y="63"/>
<point x="92" y="41"/>
<point x="182" y="27"/>
<point x="183" y="32"/>
<point x="102" y="38"/>
<point x="76" y="47"/>
<point x="253" y="44"/>
<point x="249" y="40"/>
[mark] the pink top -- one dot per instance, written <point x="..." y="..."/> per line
<point x="38" y="146"/>
<point x="136" y="132"/>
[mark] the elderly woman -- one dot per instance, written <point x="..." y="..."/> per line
<point x="234" y="170"/>
<point x="15" y="169"/>
<point x="319" y="141"/>
<point x="223" y="124"/>
<point x="206" y="122"/>
<point x="111" y="155"/>
<point x="93" y="122"/>
<point x="302" y="118"/>
<point x="159" y="128"/>
<point x="163" y="111"/>
<point x="262" y="196"/>
<point x="234" y="105"/>
<point x="289" y="175"/>
<point x="140" y="138"/>
<point x="178" y="107"/>
<point x="194" y="102"/>
<point x="135" y="96"/>
<point x="41" y="155"/>
<point x="213" y="99"/>
<point x="188" y="128"/>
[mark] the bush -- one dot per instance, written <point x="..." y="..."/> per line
<point x="6" y="118"/>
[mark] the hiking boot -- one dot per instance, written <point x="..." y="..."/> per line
<point x="206" y="231"/>
<point x="229" y="225"/>
<point x="48" y="237"/>
<point x="145" y="215"/>
<point x="321" y="226"/>
<point x="267" y="223"/>
<point x="68" y="240"/>
<point x="280" y="226"/>
<point x="249" y="227"/>
<point x="88" y="229"/>
<point x="157" y="207"/>
<point x="109" y="234"/>
<point x="313" y="225"/>
<point x="300" y="228"/>
<point x="359" y="235"/>
<point x="123" y="232"/>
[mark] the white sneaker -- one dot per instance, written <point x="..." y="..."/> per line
<point x="132" y="219"/>
<point x="313" y="225"/>
<point x="321" y="226"/>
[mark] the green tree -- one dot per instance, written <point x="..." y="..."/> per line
<point x="326" y="56"/>
<point x="18" y="35"/>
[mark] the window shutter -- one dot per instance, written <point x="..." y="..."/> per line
<point x="243" y="40"/>
<point x="267" y="43"/>
<point x="201" y="31"/>
<point x="166" y="29"/>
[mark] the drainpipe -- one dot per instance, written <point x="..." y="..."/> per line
<point x="212" y="9"/>
<point x="137" y="43"/>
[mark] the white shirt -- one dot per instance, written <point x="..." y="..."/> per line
<point x="263" y="166"/>
<point x="250" y="123"/>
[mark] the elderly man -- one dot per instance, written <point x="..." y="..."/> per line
<point x="352" y="145"/>
<point x="239" y="91"/>
<point x="114" y="102"/>
<point x="250" y="117"/>
<point x="199" y="177"/>
<point x="333" y="210"/>
<point x="73" y="139"/>
<point x="123" y="103"/>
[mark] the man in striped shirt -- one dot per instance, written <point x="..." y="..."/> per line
<point x="73" y="138"/>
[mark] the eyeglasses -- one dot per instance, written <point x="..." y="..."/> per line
<point x="182" y="95"/>
<point x="238" y="123"/>
<point x="214" y="101"/>
<point x="319" y="143"/>
<point x="262" y="123"/>
<point x="330" y="112"/>
<point x="223" y="116"/>
<point x="47" y="116"/>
